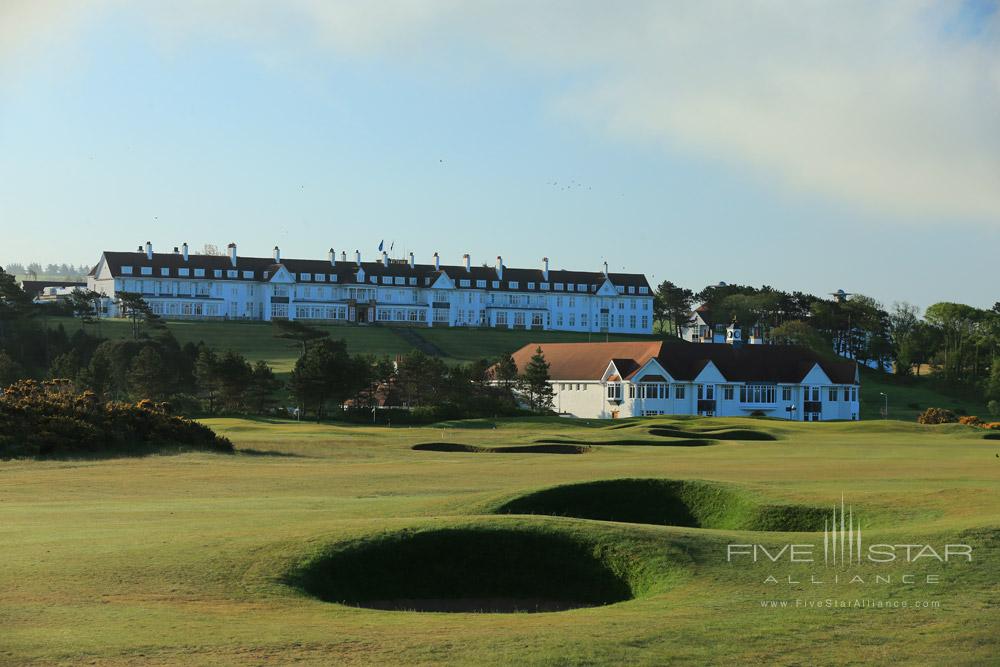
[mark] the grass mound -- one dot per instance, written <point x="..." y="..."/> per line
<point x="667" y="502"/>
<point x="722" y="434"/>
<point x="680" y="442"/>
<point x="541" y="448"/>
<point x="469" y="569"/>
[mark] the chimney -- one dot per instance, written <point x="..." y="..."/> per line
<point x="468" y="262"/>
<point x="184" y="250"/>
<point x="232" y="253"/>
<point x="357" y="257"/>
<point x="499" y="267"/>
<point x="437" y="262"/>
<point x="545" y="269"/>
<point x="333" y="257"/>
<point x="385" y="258"/>
<point x="149" y="250"/>
<point x="139" y="249"/>
<point x="605" y="269"/>
<point x="411" y="260"/>
<point x="177" y="250"/>
<point x="277" y="255"/>
<point x="343" y="256"/>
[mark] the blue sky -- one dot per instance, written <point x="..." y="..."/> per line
<point x="684" y="143"/>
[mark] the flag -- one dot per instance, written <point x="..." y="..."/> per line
<point x="380" y="244"/>
<point x="392" y="245"/>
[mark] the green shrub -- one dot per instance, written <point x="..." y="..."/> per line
<point x="45" y="419"/>
<point x="937" y="416"/>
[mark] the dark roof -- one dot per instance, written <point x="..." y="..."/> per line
<point x="346" y="271"/>
<point x="34" y="287"/>
<point x="684" y="361"/>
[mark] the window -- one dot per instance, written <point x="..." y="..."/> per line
<point x="727" y="392"/>
<point x="480" y="283"/>
<point x="536" y="320"/>
<point x="199" y="273"/>
<point x="854" y="393"/>
<point x="513" y="284"/>
<point x="631" y="289"/>
<point x="126" y="270"/>
<point x="502" y="318"/>
<point x="579" y="387"/>
<point x="464" y="283"/>
<point x="757" y="393"/>
<point x="531" y="285"/>
<point x="631" y="390"/>
<point x="679" y="391"/>
<point x="183" y="272"/>
<point x="217" y="273"/>
<point x="614" y="391"/>
<point x="305" y="277"/>
<point x="232" y="273"/>
<point x="496" y="284"/>
<point x="164" y="271"/>
<point x="581" y="288"/>
<point x="583" y="319"/>
<point x="413" y="281"/>
<point x="399" y="280"/>
<point x="559" y="287"/>
<point x="318" y="277"/>
<point x="147" y="270"/>
<point x="544" y="286"/>
<point x="786" y="393"/>
<point x="631" y="321"/>
<point x="569" y="287"/>
<point x="248" y="275"/>
<point x="833" y="393"/>
<point x="706" y="392"/>
<point x="645" y="322"/>
<point x="643" y="290"/>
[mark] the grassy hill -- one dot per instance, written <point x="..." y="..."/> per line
<point x="229" y="559"/>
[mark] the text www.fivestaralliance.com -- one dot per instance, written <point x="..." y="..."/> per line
<point x="850" y="603"/>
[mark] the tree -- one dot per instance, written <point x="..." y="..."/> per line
<point x="297" y="331"/>
<point x="147" y="375"/>
<point x="66" y="365"/>
<point x="796" y="332"/>
<point x="671" y="307"/>
<point x="262" y="388"/>
<point x="15" y="305"/>
<point x="422" y="379"/>
<point x="135" y="308"/>
<point x="326" y="374"/>
<point x="10" y="370"/>
<point x="85" y="304"/>
<point x="505" y="371"/>
<point x="205" y="376"/>
<point x="233" y="374"/>
<point x="535" y="383"/>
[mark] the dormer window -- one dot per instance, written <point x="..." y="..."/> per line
<point x="399" y="280"/>
<point x="464" y="283"/>
<point x="531" y="285"/>
<point x="643" y="290"/>
<point x="146" y="270"/>
<point x="413" y="281"/>
<point x="248" y="275"/>
<point x="184" y="272"/>
<point x="233" y="273"/>
<point x="127" y="270"/>
<point x="217" y="273"/>
<point x="319" y="277"/>
<point x="496" y="284"/>
<point x="569" y="287"/>
<point x="513" y="284"/>
<point x="631" y="290"/>
<point x="386" y="280"/>
<point x="559" y="287"/>
<point x="305" y="277"/>
<point x="620" y="289"/>
<point x="373" y="280"/>
<point x="164" y="271"/>
<point x="199" y="273"/>
<point x="333" y="277"/>
<point x="581" y="288"/>
<point x="481" y="283"/>
<point x="545" y="287"/>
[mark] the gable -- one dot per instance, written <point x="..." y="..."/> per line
<point x="443" y="282"/>
<point x="607" y="289"/>
<point x="653" y="371"/>
<point x="282" y="276"/>
<point x="710" y="374"/>
<point x="816" y="376"/>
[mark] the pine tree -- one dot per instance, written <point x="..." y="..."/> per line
<point x="262" y="387"/>
<point x="535" y="383"/>
<point x="147" y="375"/>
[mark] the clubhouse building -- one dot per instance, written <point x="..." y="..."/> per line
<point x="632" y="379"/>
<point x="181" y="285"/>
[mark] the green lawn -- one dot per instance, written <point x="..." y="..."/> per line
<point x="194" y="559"/>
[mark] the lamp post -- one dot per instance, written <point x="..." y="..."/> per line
<point x="885" y="405"/>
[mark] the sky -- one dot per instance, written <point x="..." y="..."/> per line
<point x="804" y="145"/>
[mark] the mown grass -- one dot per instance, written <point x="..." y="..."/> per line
<point x="186" y="559"/>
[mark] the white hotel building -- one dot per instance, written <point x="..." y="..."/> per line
<point x="180" y="285"/>
<point x="645" y="378"/>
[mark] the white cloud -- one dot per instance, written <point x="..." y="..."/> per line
<point x="893" y="107"/>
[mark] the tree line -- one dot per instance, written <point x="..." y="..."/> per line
<point x="35" y="269"/>
<point x="960" y="343"/>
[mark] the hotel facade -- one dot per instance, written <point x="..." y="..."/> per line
<point x="181" y="285"/>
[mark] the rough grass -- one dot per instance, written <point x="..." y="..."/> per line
<point x="183" y="559"/>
